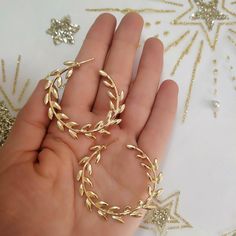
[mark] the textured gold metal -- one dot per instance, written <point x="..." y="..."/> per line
<point x="63" y="122"/>
<point x="103" y="208"/>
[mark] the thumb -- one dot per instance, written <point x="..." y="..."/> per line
<point x="31" y="124"/>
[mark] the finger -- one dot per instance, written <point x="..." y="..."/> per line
<point x="82" y="87"/>
<point x="156" y="133"/>
<point x="142" y="94"/>
<point x="120" y="59"/>
<point x="31" y="123"/>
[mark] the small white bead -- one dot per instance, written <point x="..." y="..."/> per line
<point x="215" y="105"/>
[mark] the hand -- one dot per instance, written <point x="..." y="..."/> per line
<point x="39" y="194"/>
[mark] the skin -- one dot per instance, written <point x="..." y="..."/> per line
<point x="38" y="163"/>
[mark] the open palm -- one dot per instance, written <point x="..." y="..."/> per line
<point x="39" y="194"/>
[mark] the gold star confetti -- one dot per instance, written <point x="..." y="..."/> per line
<point x="165" y="216"/>
<point x="62" y="31"/>
<point x="208" y="12"/>
<point x="6" y="122"/>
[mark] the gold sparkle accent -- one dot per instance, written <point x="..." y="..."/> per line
<point x="3" y="71"/>
<point x="193" y="77"/>
<point x="16" y="74"/>
<point x="227" y="10"/>
<point x="212" y="43"/>
<point x="231" y="40"/>
<point x="215" y="92"/>
<point x="232" y="233"/>
<point x="233" y="2"/>
<point x="127" y="10"/>
<point x="231" y="68"/>
<point x="177" y="41"/>
<point x="165" y="217"/>
<point x="62" y="31"/>
<point x="208" y="12"/>
<point x="184" y="53"/>
<point x="6" y="122"/>
<point x="147" y="25"/>
<point x="232" y="31"/>
<point x="171" y="3"/>
<point x="166" y="33"/>
<point x="22" y="93"/>
<point x="158" y="22"/>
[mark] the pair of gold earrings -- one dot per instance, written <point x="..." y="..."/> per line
<point x="89" y="130"/>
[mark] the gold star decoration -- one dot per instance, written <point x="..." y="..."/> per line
<point x="62" y="31"/>
<point x="165" y="216"/>
<point x="208" y="12"/>
<point x="6" y="122"/>
<point x="211" y="14"/>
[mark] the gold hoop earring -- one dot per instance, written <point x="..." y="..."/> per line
<point x="103" y="208"/>
<point x="63" y="121"/>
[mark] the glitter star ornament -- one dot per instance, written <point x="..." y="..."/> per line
<point x="208" y="12"/>
<point x="165" y="216"/>
<point x="6" y="122"/>
<point x="62" y="31"/>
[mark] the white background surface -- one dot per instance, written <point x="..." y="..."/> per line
<point x="201" y="160"/>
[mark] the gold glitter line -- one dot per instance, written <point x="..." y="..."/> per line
<point x="233" y="2"/>
<point x="171" y="3"/>
<point x="232" y="31"/>
<point x="184" y="13"/>
<point x="177" y="41"/>
<point x="184" y="53"/>
<point x="127" y="10"/>
<point x="193" y="77"/>
<point x="22" y="93"/>
<point x="8" y="100"/>
<point x="3" y="71"/>
<point x="16" y="74"/>
<point x="226" y="9"/>
<point x="231" y="40"/>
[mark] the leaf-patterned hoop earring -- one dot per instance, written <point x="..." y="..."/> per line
<point x="103" y="208"/>
<point x="63" y="121"/>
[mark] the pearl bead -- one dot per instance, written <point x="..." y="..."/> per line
<point x="215" y="105"/>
